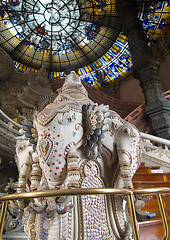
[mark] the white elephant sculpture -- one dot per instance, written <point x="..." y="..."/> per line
<point x="78" y="144"/>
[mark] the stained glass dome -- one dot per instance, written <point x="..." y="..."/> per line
<point x="85" y="35"/>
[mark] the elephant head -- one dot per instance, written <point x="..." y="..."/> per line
<point x="24" y="163"/>
<point x="58" y="129"/>
<point x="127" y="144"/>
<point x="106" y="128"/>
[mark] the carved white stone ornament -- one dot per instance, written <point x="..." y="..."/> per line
<point x="76" y="144"/>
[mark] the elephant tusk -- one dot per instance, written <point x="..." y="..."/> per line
<point x="81" y="139"/>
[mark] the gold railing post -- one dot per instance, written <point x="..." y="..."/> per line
<point x="164" y="220"/>
<point x="133" y="216"/>
<point x="2" y="216"/>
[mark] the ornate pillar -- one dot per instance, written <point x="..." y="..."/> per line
<point x="145" y="69"/>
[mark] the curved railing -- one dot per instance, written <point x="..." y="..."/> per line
<point x="136" y="116"/>
<point x="93" y="191"/>
<point x="9" y="119"/>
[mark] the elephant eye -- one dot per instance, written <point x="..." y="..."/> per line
<point x="69" y="119"/>
<point x="126" y="130"/>
<point x="22" y="147"/>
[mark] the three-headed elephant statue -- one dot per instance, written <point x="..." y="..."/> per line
<point x="79" y="144"/>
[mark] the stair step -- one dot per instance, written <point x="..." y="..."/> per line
<point x="150" y="184"/>
<point x="146" y="169"/>
<point x="152" y="230"/>
<point x="152" y="205"/>
<point x="151" y="177"/>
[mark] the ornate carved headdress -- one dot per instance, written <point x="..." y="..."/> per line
<point x="73" y="85"/>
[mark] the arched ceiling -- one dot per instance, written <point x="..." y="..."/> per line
<point x="75" y="34"/>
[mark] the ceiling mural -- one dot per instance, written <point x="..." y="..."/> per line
<point x="85" y="35"/>
<point x="58" y="33"/>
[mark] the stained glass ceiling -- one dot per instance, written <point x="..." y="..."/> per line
<point x="75" y="34"/>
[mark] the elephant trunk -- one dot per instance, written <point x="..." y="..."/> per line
<point x="36" y="172"/>
<point x="125" y="168"/>
<point x="73" y="168"/>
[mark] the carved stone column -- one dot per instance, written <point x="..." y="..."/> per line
<point x="145" y="69"/>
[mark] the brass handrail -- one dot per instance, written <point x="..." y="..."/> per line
<point x="148" y="191"/>
<point x="86" y="191"/>
<point x="64" y="192"/>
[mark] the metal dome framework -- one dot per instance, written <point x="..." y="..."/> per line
<point x="78" y="34"/>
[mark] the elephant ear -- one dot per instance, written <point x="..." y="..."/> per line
<point x="30" y="133"/>
<point x="95" y="123"/>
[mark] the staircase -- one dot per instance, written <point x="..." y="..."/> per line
<point x="152" y="229"/>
